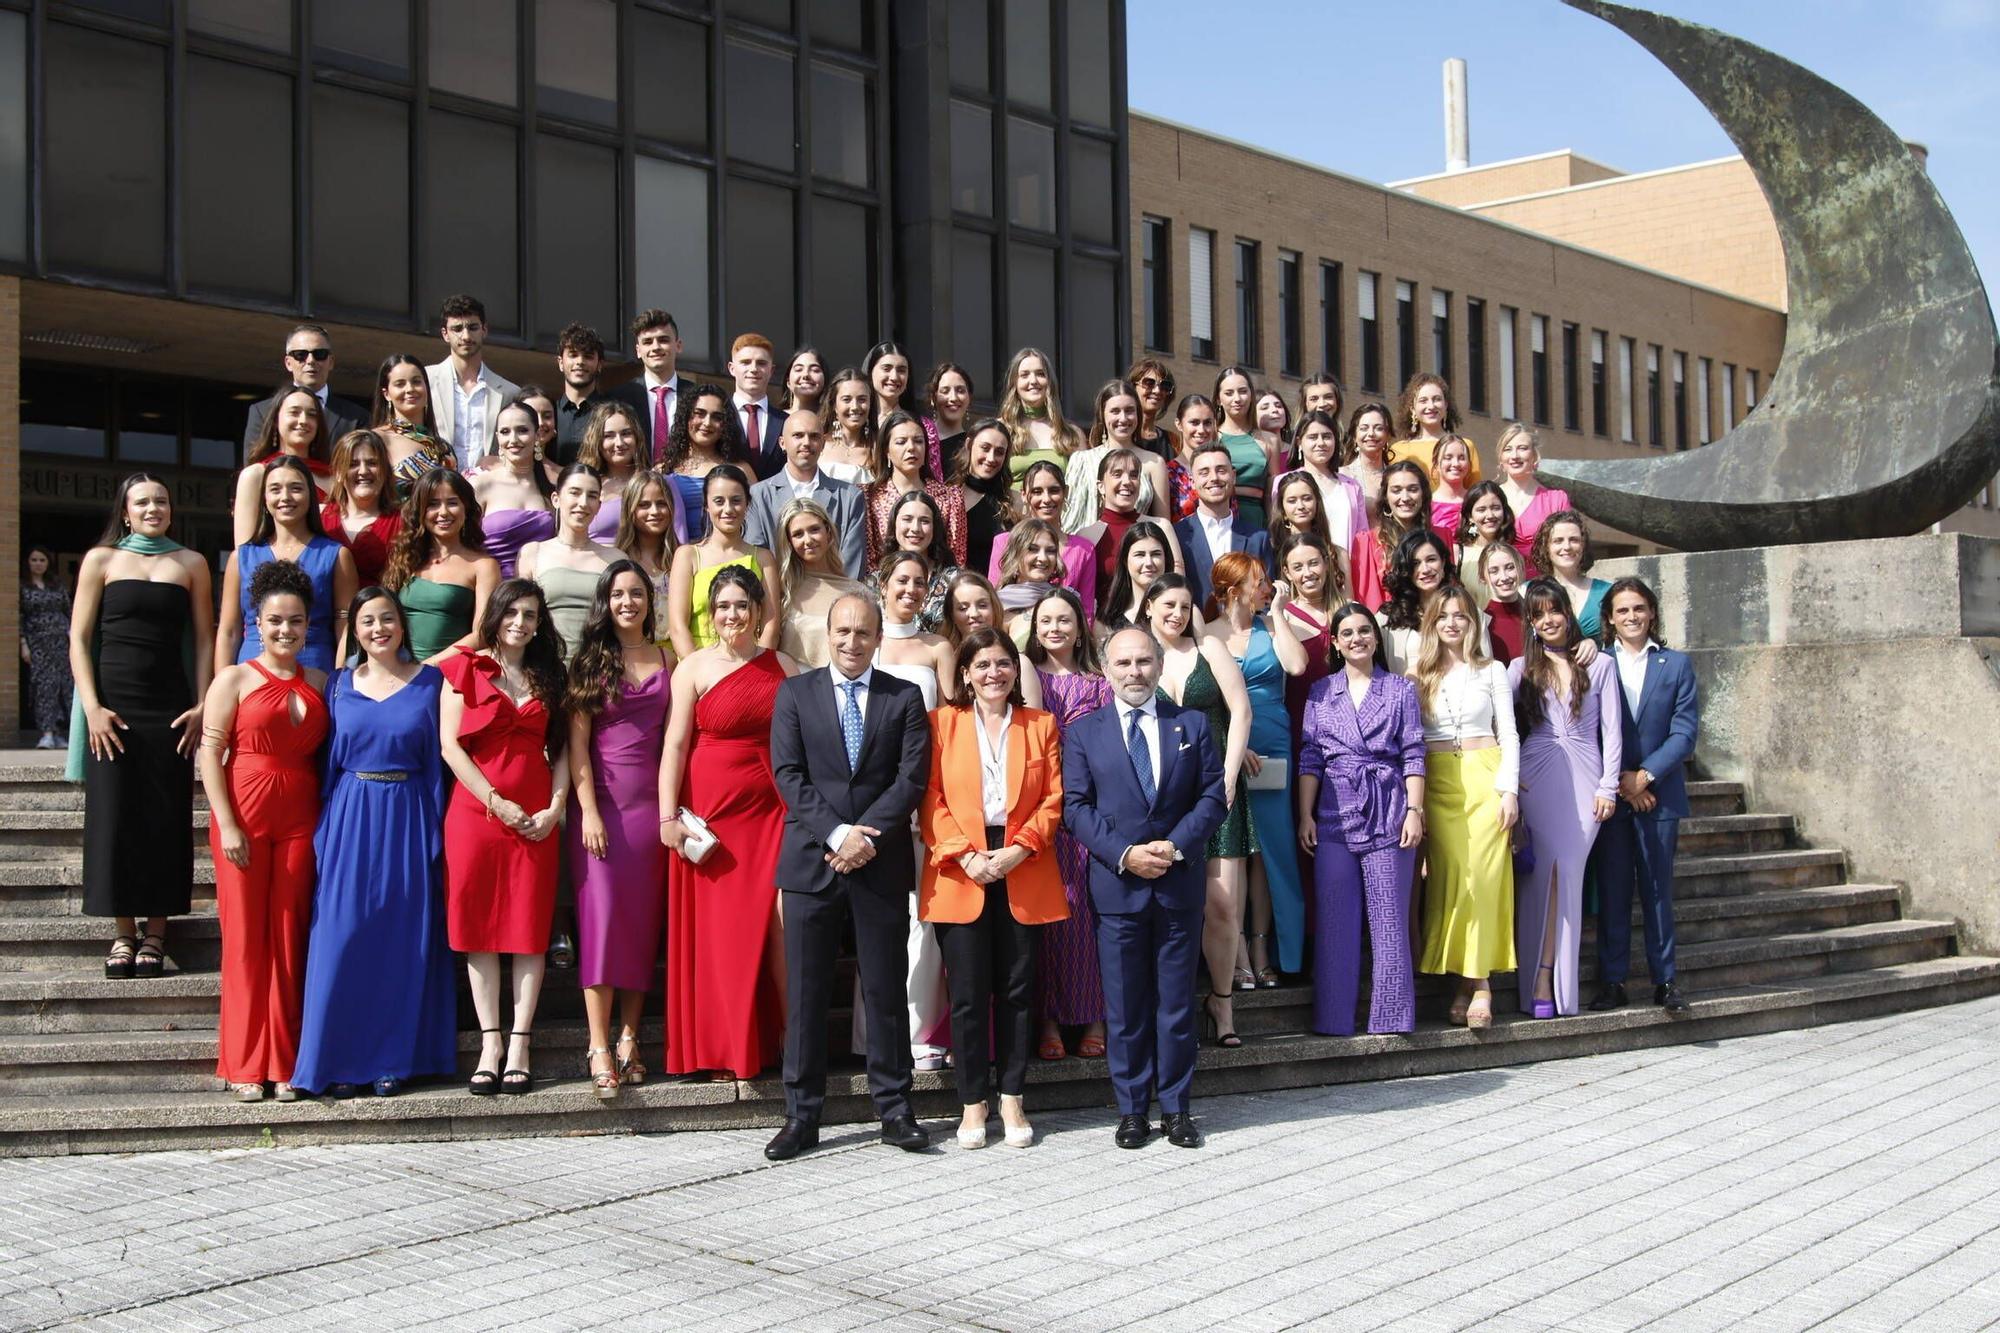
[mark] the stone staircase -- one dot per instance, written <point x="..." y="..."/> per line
<point x="1772" y="936"/>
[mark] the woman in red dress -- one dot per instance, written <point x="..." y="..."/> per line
<point x="502" y="729"/>
<point x="267" y="716"/>
<point x="725" y="941"/>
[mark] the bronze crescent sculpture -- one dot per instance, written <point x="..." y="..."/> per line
<point x="1884" y="413"/>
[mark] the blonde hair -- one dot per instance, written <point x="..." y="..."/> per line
<point x="1068" y="439"/>
<point x="1522" y="429"/>
<point x="792" y="572"/>
<point x="591" y="451"/>
<point x="1430" y="668"/>
<point x="627" y="539"/>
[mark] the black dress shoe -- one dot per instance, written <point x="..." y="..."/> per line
<point x="562" y="951"/>
<point x="793" y="1139"/>
<point x="1669" y="998"/>
<point x="903" y="1131"/>
<point x="1179" y="1129"/>
<point x="1133" y="1131"/>
<point x="1608" y="998"/>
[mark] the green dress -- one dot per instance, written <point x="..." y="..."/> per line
<point x="1018" y="465"/>
<point x="1237" y="836"/>
<point x="569" y="593"/>
<point x="437" y="614"/>
<point x="1253" y="473"/>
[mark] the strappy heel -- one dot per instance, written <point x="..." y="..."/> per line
<point x="604" y="1081"/>
<point x="516" y="1082"/>
<point x="1267" y="975"/>
<point x="151" y="960"/>
<point x="1229" y="1041"/>
<point x="485" y="1082"/>
<point x="118" y="964"/>
<point x="631" y="1072"/>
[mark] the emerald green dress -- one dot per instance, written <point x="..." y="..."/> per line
<point x="1237" y="836"/>
<point x="1253" y="473"/>
<point x="437" y="614"/>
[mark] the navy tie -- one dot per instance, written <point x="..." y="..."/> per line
<point x="1142" y="757"/>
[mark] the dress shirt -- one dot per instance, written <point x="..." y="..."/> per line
<point x="992" y="766"/>
<point x="1632" y="672"/>
<point x="840" y="831"/>
<point x="1476" y="704"/>
<point x="763" y="406"/>
<point x="654" y="387"/>
<point x="1218" y="531"/>
<point x="804" y="490"/>
<point x="570" y="421"/>
<point x="468" y="419"/>
<point x="320" y="393"/>
<point x="1148" y="714"/>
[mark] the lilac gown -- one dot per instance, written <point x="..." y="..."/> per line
<point x="508" y="530"/>
<point x="1566" y="762"/>
<point x="621" y="901"/>
<point x="1072" y="987"/>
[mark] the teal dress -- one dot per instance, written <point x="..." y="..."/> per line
<point x="1253" y="474"/>
<point x="1271" y="811"/>
<point x="1591" y="619"/>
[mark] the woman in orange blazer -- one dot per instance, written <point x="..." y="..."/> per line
<point x="989" y="819"/>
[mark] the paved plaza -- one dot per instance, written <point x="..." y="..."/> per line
<point x="1844" y="1177"/>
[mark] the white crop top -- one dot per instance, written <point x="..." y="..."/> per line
<point x="1473" y="704"/>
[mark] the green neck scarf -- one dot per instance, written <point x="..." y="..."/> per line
<point x="144" y="545"/>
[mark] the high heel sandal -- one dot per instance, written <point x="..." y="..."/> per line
<point x="1091" y="1048"/>
<point x="485" y="1082"/>
<point x="1229" y="1041"/>
<point x="606" y="1081"/>
<point x="631" y="1072"/>
<point x="1479" y="1013"/>
<point x="119" y="962"/>
<point x="515" y="1082"/>
<point x="1051" y="1048"/>
<point x="1547" y="1008"/>
<point x="1456" y="1014"/>
<point x="1267" y="975"/>
<point x="151" y="960"/>
<point x="1244" y="979"/>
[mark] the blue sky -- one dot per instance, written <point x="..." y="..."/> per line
<point x="1354" y="84"/>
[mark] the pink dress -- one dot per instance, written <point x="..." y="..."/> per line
<point x="1548" y="500"/>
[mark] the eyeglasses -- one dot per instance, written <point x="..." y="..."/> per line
<point x="308" y="353"/>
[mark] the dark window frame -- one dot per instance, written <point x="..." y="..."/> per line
<point x="1475" y="354"/>
<point x="1291" y="330"/>
<point x="1157" y="283"/>
<point x="1572" y="361"/>
<point x="1247" y="264"/>
<point x="1369" y="319"/>
<point x="1406" y="329"/>
<point x="1441" y="334"/>
<point x="1600" y="407"/>
<point x="1330" y="340"/>
<point x="1538" y="368"/>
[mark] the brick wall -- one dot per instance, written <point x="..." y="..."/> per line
<point x="1504" y="180"/>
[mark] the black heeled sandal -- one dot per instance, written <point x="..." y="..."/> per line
<point x="515" y="1082"/>
<point x="151" y="960"/>
<point x="485" y="1082"/>
<point x="1229" y="1041"/>
<point x="118" y="963"/>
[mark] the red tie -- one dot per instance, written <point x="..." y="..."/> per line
<point x="663" y="420"/>
<point x="756" y="440"/>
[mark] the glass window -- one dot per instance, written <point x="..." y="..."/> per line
<point x="13" y="136"/>
<point x="64" y="408"/>
<point x="1475" y="353"/>
<point x="1653" y="436"/>
<point x="1291" y="355"/>
<point x="252" y="22"/>
<point x="367" y="36"/>
<point x="1599" y="421"/>
<point x="840" y="128"/>
<point x="105" y="166"/>
<point x="671" y="268"/>
<point x="758" y="113"/>
<point x="971" y="159"/>
<point x="1406" y="331"/>
<point x="141" y="11"/>
<point x="1091" y="191"/>
<point x="670" y="99"/>
<point x="1031" y="297"/>
<point x="360" y="236"/>
<point x="239" y="129"/>
<point x="1089" y="358"/>
<point x="771" y="13"/>
<point x="843" y="281"/>
<point x="474" y="49"/>
<point x="576" y="60"/>
<point x="1572" y="379"/>
<point x="1329" y="318"/>
<point x="971" y="46"/>
<point x="1749" y="389"/>
<point x="1680" y="400"/>
<point x="1510" y="364"/>
<point x="1728" y="396"/>
<point x="1628" y="401"/>
<point x="1201" y="294"/>
<point x="1249" y="322"/>
<point x="1366" y="295"/>
<point x="841" y="23"/>
<point x="215" y="423"/>
<point x="1031" y="175"/>
<point x="1030" y="48"/>
<point x="1090" y="61"/>
<point x="1156" y="323"/>
<point x="1441" y="332"/>
<point x="972" y="307"/>
<point x="471" y="230"/>
<point x="1538" y="354"/>
<point x="576" y="236"/>
<point x="760" y="260"/>
<point x="149" y="420"/>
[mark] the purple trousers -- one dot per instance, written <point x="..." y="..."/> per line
<point x="1352" y="890"/>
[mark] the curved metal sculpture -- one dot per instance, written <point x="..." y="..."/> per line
<point x="1884" y="414"/>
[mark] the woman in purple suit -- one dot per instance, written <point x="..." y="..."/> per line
<point x="1570" y="747"/>
<point x="1361" y="817"/>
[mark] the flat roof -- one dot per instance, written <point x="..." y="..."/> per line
<point x="1615" y="180"/>
<point x="1508" y="162"/>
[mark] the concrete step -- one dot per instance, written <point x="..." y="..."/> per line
<point x="1757" y="872"/>
<point x="128" y="1122"/>
<point x="45" y="835"/>
<point x="1706" y="797"/>
<point x="1723" y="834"/>
<point x="53" y="886"/>
<point x="71" y="942"/>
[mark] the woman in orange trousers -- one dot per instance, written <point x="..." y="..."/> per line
<point x="268" y="717"/>
<point x="990" y="814"/>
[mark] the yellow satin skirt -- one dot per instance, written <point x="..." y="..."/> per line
<point x="1469" y="892"/>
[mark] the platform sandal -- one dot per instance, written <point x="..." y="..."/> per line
<point x="151" y="960"/>
<point x="119" y="962"/>
<point x="485" y="1082"/>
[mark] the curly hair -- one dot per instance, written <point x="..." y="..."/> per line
<point x="1405" y="424"/>
<point x="414" y="544"/>
<point x="1538" y="554"/>
<point x="1405" y="607"/>
<point x="280" y="577"/>
<point x="731" y="448"/>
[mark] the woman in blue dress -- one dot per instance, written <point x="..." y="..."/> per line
<point x="380" y="995"/>
<point x="288" y="528"/>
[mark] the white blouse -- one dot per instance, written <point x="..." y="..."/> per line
<point x="1473" y="704"/>
<point x="1400" y="645"/>
<point x="993" y="767"/>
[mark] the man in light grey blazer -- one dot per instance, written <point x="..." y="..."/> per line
<point x="802" y="442"/>
<point x="466" y="393"/>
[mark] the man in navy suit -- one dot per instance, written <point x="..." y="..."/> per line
<point x="750" y="366"/>
<point x="1214" y="529"/>
<point x="1142" y="791"/>
<point x="655" y="395"/>
<point x="1661" y="712"/>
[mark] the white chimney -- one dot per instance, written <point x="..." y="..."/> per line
<point x="1457" y="123"/>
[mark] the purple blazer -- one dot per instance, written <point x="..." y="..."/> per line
<point x="1361" y="756"/>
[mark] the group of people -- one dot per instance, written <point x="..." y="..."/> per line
<point x="1061" y="722"/>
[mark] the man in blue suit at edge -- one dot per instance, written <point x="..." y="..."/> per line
<point x="1142" y="791"/>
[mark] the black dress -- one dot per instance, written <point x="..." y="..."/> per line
<point x="138" y="825"/>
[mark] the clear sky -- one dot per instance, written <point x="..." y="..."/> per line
<point x="1355" y="84"/>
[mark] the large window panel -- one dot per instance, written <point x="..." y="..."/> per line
<point x="1030" y="52"/>
<point x="840" y="128"/>
<point x="149" y="420"/>
<point x="672" y="265"/>
<point x="757" y="88"/>
<point x="64" y="410"/>
<point x="367" y="36"/>
<point x="472" y="229"/>
<point x="576" y="60"/>
<point x="215" y="423"/>
<point x="13" y="136"/>
<point x="843" y="281"/>
<point x="106" y="163"/>
<point x="771" y="13"/>
<point x="474" y="49"/>
<point x="361" y="200"/>
<point x="670" y="94"/>
<point x="1090" y="61"/>
<point x="1091" y="191"/>
<point x="971" y="159"/>
<point x="972" y="310"/>
<point x="1089" y="358"/>
<point x="576" y="237"/>
<point x="762" y="244"/>
<point x="970" y="35"/>
<point x="841" y="23"/>
<point x="141" y="11"/>
<point x="1031" y="298"/>
<point x="242" y="120"/>
<point x="1031" y="175"/>
<point x="256" y="23"/>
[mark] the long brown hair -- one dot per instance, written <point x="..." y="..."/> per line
<point x="1538" y="673"/>
<point x="343" y="457"/>
<point x="266" y="442"/>
<point x="597" y="668"/>
<point x="415" y="544"/>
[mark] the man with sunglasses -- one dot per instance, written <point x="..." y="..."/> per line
<point x="309" y="362"/>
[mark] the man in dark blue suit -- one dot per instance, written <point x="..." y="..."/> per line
<point x="1662" y="713"/>
<point x="1214" y="529"/>
<point x="1142" y="791"/>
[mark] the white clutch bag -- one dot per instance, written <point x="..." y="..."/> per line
<point x="701" y="839"/>
<point x="1271" y="777"/>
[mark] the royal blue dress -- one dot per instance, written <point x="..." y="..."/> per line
<point x="317" y="560"/>
<point x="380" y="995"/>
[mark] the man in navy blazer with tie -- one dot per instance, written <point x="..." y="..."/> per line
<point x="1214" y="522"/>
<point x="1142" y="791"/>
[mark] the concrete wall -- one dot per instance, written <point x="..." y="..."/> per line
<point x="1856" y="685"/>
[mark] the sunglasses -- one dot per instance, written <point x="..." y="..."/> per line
<point x="309" y="354"/>
<point x="1152" y="382"/>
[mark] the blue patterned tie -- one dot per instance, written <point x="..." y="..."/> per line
<point x="1142" y="757"/>
<point x="850" y="722"/>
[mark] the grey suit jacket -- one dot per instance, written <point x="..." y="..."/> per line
<point x="842" y="500"/>
<point x="342" y="416"/>
<point x="444" y="402"/>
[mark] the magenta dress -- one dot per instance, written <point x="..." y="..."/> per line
<point x="1566" y="762"/>
<point x="1072" y="987"/>
<point x="1548" y="500"/>
<point x="508" y="530"/>
<point x="621" y="901"/>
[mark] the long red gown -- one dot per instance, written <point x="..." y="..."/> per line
<point x="724" y="1009"/>
<point x="265" y="909"/>
<point x="499" y="888"/>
